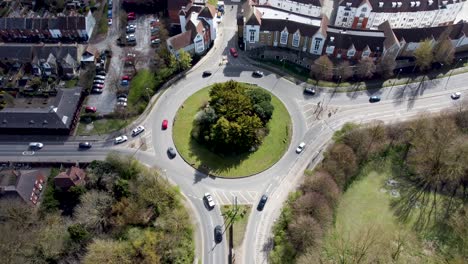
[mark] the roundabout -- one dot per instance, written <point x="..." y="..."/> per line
<point x="199" y="156"/>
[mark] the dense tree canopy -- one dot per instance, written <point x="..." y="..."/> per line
<point x="235" y="119"/>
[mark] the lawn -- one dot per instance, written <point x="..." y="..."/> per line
<point x="272" y="149"/>
<point x="141" y="89"/>
<point x="102" y="25"/>
<point x="239" y="225"/>
<point x="103" y="126"/>
<point x="364" y="218"/>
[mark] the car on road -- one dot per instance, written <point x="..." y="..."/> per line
<point x="456" y="95"/>
<point x="164" y="125"/>
<point x="90" y="109"/>
<point x="262" y="202"/>
<point x="109" y="21"/>
<point x="233" y="52"/>
<point x="171" y="152"/>
<point x="309" y="90"/>
<point x="209" y="200"/>
<point x="257" y="74"/>
<point x="218" y="234"/>
<point x="35" y="145"/>
<point x="300" y="148"/>
<point x="374" y="99"/>
<point x="85" y="145"/>
<point x="206" y="73"/>
<point x="120" y="139"/>
<point x="138" y="130"/>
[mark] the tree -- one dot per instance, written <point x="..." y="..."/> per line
<point x="315" y="205"/>
<point x="322" y="69"/>
<point x="108" y="251"/>
<point x="340" y="161"/>
<point x="184" y="61"/>
<point x="424" y="55"/>
<point x="35" y="82"/>
<point x="444" y="51"/>
<point x="94" y="210"/>
<point x="78" y="233"/>
<point x="322" y="182"/>
<point x="385" y="66"/>
<point x="344" y="70"/>
<point x="365" y="68"/>
<point x="304" y="232"/>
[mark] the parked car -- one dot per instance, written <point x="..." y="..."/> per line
<point x="156" y="41"/>
<point x="101" y="72"/>
<point x="171" y="152"/>
<point x="138" y="130"/>
<point x="309" y="90"/>
<point x="262" y="202"/>
<point x="121" y="96"/>
<point x="374" y="99"/>
<point x="121" y="99"/>
<point x="209" y="200"/>
<point x="120" y="139"/>
<point x="257" y="74"/>
<point x="90" y="109"/>
<point x="129" y="17"/>
<point x="109" y="21"/>
<point x="124" y="82"/>
<point x="300" y="148"/>
<point x="97" y="81"/>
<point x="35" y="145"/>
<point x="97" y="85"/>
<point x="130" y="30"/>
<point x="164" y="124"/>
<point x="233" y="52"/>
<point x="218" y="234"/>
<point x="129" y="36"/>
<point x="97" y="90"/>
<point x="456" y="95"/>
<point x="100" y="77"/>
<point x="126" y="77"/>
<point x="206" y="73"/>
<point x="85" y="145"/>
<point x="109" y="13"/>
<point x="122" y="104"/>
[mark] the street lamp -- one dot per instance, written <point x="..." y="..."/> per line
<point x="147" y="93"/>
<point x="451" y="72"/>
<point x="397" y="76"/>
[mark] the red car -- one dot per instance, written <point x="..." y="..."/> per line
<point x="90" y="109"/>
<point x="131" y="17"/>
<point x="131" y="14"/>
<point x="126" y="78"/>
<point x="164" y="124"/>
<point x="233" y="52"/>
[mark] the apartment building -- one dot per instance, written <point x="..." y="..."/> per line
<point x="369" y="14"/>
<point x="303" y="7"/>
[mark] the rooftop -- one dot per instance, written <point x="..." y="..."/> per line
<point x="270" y="13"/>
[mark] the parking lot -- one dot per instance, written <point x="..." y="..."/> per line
<point x="105" y="102"/>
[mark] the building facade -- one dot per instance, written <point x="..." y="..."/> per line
<point x="303" y="7"/>
<point x="369" y="14"/>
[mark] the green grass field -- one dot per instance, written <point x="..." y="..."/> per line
<point x="239" y="225"/>
<point x="272" y="149"/>
<point x="103" y="126"/>
<point x="365" y="219"/>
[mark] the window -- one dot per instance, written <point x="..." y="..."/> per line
<point x="318" y="41"/>
<point x="366" y="53"/>
<point x="296" y="39"/>
<point x="252" y="36"/>
<point x="284" y="37"/>
<point x="351" y="53"/>
<point x="364" y="9"/>
<point x="346" y="13"/>
<point x="345" y="19"/>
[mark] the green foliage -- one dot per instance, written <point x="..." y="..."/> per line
<point x="322" y="69"/>
<point x="235" y="119"/>
<point x="424" y="55"/>
<point x="142" y="87"/>
<point x="108" y="251"/>
<point x="49" y="201"/>
<point x="345" y="129"/>
<point x="121" y="189"/>
<point x="185" y="60"/>
<point x="78" y="233"/>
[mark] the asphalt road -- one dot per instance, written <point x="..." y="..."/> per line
<point x="311" y="124"/>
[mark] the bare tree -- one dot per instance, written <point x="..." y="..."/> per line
<point x="444" y="51"/>
<point x="385" y="66"/>
<point x="323" y="183"/>
<point x="365" y="68"/>
<point x="344" y="70"/>
<point x="322" y="69"/>
<point x="304" y="232"/>
<point x="424" y="55"/>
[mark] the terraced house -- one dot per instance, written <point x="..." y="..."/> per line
<point x="400" y="13"/>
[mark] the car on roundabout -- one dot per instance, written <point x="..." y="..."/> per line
<point x="309" y="90"/>
<point x="455" y="95"/>
<point x="218" y="234"/>
<point x="138" y="130"/>
<point x="209" y="200"/>
<point x="171" y="152"/>
<point x="164" y="124"/>
<point x="257" y="74"/>
<point x="262" y="202"/>
<point x="120" y="139"/>
<point x="300" y="148"/>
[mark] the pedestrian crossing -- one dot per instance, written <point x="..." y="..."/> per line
<point x="316" y="111"/>
<point x="223" y="197"/>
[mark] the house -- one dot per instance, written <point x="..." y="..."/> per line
<point x="52" y="29"/>
<point x="303" y="7"/>
<point x="89" y="55"/>
<point x="73" y="176"/>
<point x="199" y="30"/>
<point x="400" y="13"/>
<point x="24" y="184"/>
<point x="59" y="117"/>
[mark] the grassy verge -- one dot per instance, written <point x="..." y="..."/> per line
<point x="272" y="149"/>
<point x="102" y="25"/>
<point x="213" y="2"/>
<point x="239" y="225"/>
<point x="141" y="89"/>
<point x="365" y="224"/>
<point x="71" y="83"/>
<point x="103" y="126"/>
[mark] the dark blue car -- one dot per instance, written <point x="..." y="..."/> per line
<point x="109" y="13"/>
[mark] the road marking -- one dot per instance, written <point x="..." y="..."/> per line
<point x="268" y="188"/>
<point x="254" y="196"/>
<point x="28" y="153"/>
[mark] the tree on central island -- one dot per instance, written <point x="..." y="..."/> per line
<point x="235" y="118"/>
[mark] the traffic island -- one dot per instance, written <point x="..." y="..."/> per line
<point x="209" y="161"/>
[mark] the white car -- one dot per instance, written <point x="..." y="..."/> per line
<point x="138" y="130"/>
<point x="120" y="139"/>
<point x="122" y="104"/>
<point x="100" y="77"/>
<point x="36" y="145"/>
<point x="300" y="148"/>
<point x="209" y="200"/>
<point x="122" y="99"/>
<point x="456" y="95"/>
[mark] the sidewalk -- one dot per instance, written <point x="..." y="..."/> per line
<point x="361" y="86"/>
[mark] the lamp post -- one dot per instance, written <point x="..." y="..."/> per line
<point x="147" y="93"/>
<point x="397" y="76"/>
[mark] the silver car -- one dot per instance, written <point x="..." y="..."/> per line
<point x="120" y="139"/>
